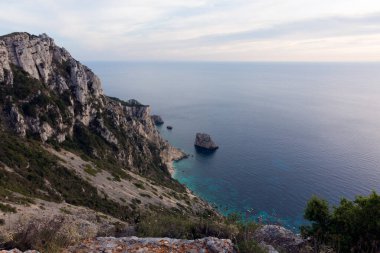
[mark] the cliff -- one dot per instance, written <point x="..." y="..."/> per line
<point x="76" y="164"/>
<point x="48" y="95"/>
<point x="66" y="146"/>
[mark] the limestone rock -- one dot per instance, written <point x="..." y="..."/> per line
<point x="153" y="245"/>
<point x="69" y="102"/>
<point x="18" y="121"/>
<point x="53" y="66"/>
<point x="204" y="141"/>
<point x="157" y="120"/>
<point x="18" y="251"/>
<point x="280" y="238"/>
<point x="5" y="69"/>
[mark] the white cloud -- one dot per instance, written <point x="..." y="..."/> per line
<point x="203" y="29"/>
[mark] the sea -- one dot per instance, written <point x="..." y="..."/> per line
<point x="286" y="131"/>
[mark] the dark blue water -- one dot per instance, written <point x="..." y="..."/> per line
<point x="286" y="130"/>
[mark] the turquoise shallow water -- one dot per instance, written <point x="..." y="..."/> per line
<point x="286" y="131"/>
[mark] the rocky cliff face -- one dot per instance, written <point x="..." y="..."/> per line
<point x="64" y="141"/>
<point x="40" y="59"/>
<point x="48" y="94"/>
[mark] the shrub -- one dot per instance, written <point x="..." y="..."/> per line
<point x="64" y="210"/>
<point x="145" y="195"/>
<point x="89" y="170"/>
<point x="29" y="110"/>
<point x="167" y="223"/>
<point x="6" y="208"/>
<point x="139" y="185"/>
<point x="182" y="226"/>
<point x="351" y="226"/>
<point x="136" y="201"/>
<point x="44" y="237"/>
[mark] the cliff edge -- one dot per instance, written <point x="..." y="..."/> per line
<point x="68" y="152"/>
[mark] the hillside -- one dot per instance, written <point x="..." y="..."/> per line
<point x="68" y="150"/>
<point x="78" y="167"/>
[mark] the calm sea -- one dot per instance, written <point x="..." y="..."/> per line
<point x="286" y="131"/>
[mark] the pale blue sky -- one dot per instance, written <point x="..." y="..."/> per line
<point x="211" y="30"/>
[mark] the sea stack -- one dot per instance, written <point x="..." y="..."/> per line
<point x="157" y="120"/>
<point x="204" y="141"/>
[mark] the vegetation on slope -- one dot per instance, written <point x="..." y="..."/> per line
<point x="34" y="99"/>
<point x="37" y="101"/>
<point x="37" y="174"/>
<point x="177" y="225"/>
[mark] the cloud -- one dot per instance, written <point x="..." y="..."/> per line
<point x="202" y="29"/>
<point x="310" y="28"/>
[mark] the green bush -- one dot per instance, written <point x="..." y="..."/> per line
<point x="89" y="170"/>
<point x="6" y="208"/>
<point x="352" y="226"/>
<point x="145" y="195"/>
<point x="29" y="110"/>
<point x="182" y="226"/>
<point x="44" y="237"/>
<point x="139" y="185"/>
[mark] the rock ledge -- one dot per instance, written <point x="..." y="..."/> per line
<point x="153" y="245"/>
<point x="280" y="238"/>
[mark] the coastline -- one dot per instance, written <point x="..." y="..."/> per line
<point x="171" y="155"/>
<point x="170" y="166"/>
<point x="175" y="154"/>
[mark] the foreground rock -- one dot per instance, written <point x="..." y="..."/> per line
<point x="18" y="251"/>
<point x="153" y="245"/>
<point x="282" y="239"/>
<point x="204" y="141"/>
<point x="157" y="120"/>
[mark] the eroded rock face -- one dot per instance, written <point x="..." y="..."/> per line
<point x="280" y="238"/>
<point x="5" y="69"/>
<point x="18" y="121"/>
<point x="41" y="57"/>
<point x="67" y="101"/>
<point x="157" y="120"/>
<point x="53" y="66"/>
<point x="153" y="245"/>
<point x="204" y="141"/>
<point x="18" y="251"/>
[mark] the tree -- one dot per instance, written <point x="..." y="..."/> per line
<point x="352" y="226"/>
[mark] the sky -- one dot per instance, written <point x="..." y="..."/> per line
<point x="203" y="30"/>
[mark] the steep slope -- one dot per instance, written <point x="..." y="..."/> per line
<point x="64" y="144"/>
<point x="49" y="94"/>
<point x="77" y="164"/>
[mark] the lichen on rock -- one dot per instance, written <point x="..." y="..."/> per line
<point x="153" y="245"/>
